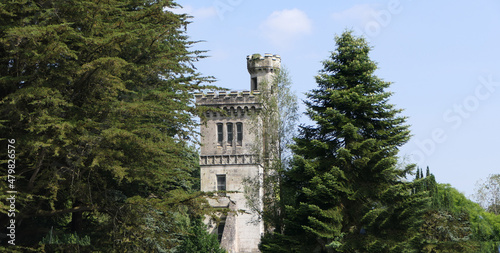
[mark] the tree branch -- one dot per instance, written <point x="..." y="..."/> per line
<point x="70" y="210"/>
<point x="39" y="165"/>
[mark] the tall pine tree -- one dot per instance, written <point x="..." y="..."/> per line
<point x="97" y="96"/>
<point x="349" y="195"/>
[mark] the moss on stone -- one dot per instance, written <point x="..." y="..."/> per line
<point x="256" y="56"/>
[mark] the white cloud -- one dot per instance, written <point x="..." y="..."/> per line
<point x="281" y="27"/>
<point x="200" y="13"/>
<point x="360" y="14"/>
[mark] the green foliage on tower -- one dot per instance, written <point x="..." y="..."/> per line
<point x="97" y="95"/>
<point x="346" y="193"/>
<point x="274" y="127"/>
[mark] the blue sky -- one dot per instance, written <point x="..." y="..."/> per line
<point x="442" y="57"/>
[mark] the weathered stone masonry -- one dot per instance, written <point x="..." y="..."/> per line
<point x="228" y="154"/>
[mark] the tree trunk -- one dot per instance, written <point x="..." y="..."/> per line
<point x="76" y="218"/>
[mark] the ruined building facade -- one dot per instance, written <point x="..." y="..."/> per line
<point x="229" y="156"/>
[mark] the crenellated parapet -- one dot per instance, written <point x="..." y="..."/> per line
<point x="233" y="103"/>
<point x="231" y="149"/>
<point x="262" y="69"/>
<point x="266" y="63"/>
<point x="224" y="97"/>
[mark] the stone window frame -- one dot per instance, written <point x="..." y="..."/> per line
<point x="221" y="184"/>
<point x="220" y="228"/>
<point x="239" y="133"/>
<point x="230" y="133"/>
<point x="220" y="134"/>
<point x="253" y="85"/>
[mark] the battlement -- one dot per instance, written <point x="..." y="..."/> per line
<point x="232" y="138"/>
<point x="227" y="98"/>
<point x="268" y="62"/>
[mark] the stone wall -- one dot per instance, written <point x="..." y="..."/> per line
<point x="248" y="228"/>
<point x="236" y="107"/>
<point x="236" y="161"/>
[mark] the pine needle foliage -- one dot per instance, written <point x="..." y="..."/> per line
<point x="347" y="194"/>
<point x="200" y="240"/>
<point x="97" y="95"/>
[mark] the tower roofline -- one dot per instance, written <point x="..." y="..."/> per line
<point x="257" y="62"/>
<point x="262" y="69"/>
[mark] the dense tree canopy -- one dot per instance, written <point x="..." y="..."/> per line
<point x="95" y="100"/>
<point x="347" y="193"/>
<point x="454" y="223"/>
<point x="96" y="95"/>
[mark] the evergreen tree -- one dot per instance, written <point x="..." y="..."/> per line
<point x="348" y="194"/>
<point x="199" y="240"/>
<point x="96" y="95"/>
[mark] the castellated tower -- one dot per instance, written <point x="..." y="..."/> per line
<point x="229" y="156"/>
<point x="261" y="69"/>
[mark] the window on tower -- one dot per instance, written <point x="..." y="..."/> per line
<point x="221" y="184"/>
<point x="229" y="134"/>
<point x="239" y="133"/>
<point x="220" y="228"/>
<point x="254" y="83"/>
<point x="220" y="135"/>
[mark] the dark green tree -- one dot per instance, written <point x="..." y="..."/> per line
<point x="96" y="95"/>
<point x="348" y="195"/>
<point x="200" y="240"/>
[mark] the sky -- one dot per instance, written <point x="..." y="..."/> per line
<point x="443" y="59"/>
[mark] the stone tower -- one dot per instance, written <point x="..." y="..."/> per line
<point x="228" y="156"/>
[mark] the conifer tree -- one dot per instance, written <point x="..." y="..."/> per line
<point x="200" y="240"/>
<point x="348" y="194"/>
<point x="97" y="96"/>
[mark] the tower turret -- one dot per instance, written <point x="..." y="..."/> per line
<point x="231" y="133"/>
<point x="262" y="69"/>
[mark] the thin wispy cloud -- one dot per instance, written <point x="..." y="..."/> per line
<point x="283" y="27"/>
